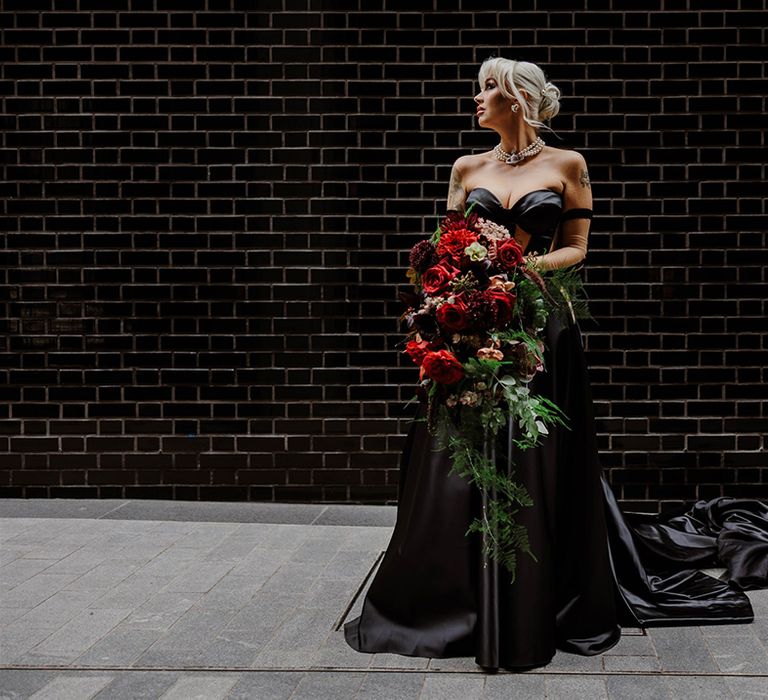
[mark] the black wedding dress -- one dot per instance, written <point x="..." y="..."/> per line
<point x="435" y="595"/>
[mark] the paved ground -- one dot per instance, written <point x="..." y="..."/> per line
<point x="167" y="599"/>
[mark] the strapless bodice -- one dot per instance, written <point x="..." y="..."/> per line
<point x="537" y="213"/>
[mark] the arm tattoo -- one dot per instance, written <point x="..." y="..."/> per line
<point x="455" y="192"/>
<point x="584" y="178"/>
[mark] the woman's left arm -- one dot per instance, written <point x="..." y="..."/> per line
<point x="575" y="220"/>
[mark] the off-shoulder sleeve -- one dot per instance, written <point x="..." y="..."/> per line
<point x="572" y="247"/>
<point x="576" y="214"/>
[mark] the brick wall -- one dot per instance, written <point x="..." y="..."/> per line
<point x="208" y="208"/>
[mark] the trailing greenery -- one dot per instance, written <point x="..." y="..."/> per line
<point x="470" y="435"/>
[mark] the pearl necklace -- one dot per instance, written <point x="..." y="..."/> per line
<point x="514" y="158"/>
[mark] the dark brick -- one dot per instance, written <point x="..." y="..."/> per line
<point x="208" y="216"/>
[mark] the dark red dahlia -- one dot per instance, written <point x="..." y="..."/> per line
<point x="454" y="221"/>
<point x="453" y="242"/>
<point x="423" y="256"/>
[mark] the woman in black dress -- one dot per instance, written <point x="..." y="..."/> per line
<point x="435" y="594"/>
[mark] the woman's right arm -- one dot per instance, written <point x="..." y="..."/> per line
<point x="457" y="197"/>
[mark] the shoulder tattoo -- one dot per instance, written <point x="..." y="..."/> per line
<point x="456" y="192"/>
<point x="584" y="178"/>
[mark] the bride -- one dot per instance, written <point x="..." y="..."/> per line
<point x="435" y="593"/>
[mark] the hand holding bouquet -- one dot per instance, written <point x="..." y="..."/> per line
<point x="475" y="323"/>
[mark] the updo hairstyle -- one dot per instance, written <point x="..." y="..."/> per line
<point x="543" y="101"/>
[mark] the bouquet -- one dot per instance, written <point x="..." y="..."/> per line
<point x="475" y="322"/>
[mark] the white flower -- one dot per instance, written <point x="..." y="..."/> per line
<point x="476" y="251"/>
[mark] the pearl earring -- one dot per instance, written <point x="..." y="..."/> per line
<point x="515" y="107"/>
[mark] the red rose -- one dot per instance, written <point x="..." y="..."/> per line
<point x="504" y="302"/>
<point x="443" y="367"/>
<point x="453" y="316"/>
<point x="453" y="242"/>
<point x="417" y="351"/>
<point x="509" y="254"/>
<point x="436" y="278"/>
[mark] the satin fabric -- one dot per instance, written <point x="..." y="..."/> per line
<point x="435" y="595"/>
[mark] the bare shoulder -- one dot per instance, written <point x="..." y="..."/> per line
<point x="467" y="163"/>
<point x="569" y="160"/>
<point x="462" y="168"/>
<point x="572" y="167"/>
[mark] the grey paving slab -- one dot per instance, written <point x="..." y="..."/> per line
<point x="563" y="661"/>
<point x="398" y="661"/>
<point x="759" y="600"/>
<point x="231" y="593"/>
<point x="513" y="687"/>
<point x="329" y="593"/>
<point x="57" y="507"/>
<point x="81" y="632"/>
<point x="201" y="687"/>
<point x="316" y="550"/>
<point x="570" y="687"/>
<point x="79" y="562"/>
<point x="305" y="630"/>
<point x="631" y="645"/>
<point x="376" y="516"/>
<point x="264" y="614"/>
<point x="391" y="686"/>
<point x="216" y="595"/>
<point x="9" y="553"/>
<point x="630" y="663"/>
<point x="367" y="539"/>
<point x="197" y="511"/>
<point x="120" y="647"/>
<point x="199" y="577"/>
<point x="230" y="650"/>
<point x="329" y="686"/>
<point x="637" y="688"/>
<point x="8" y="615"/>
<point x="58" y="609"/>
<point x="739" y="654"/>
<point x="161" y="610"/>
<point x="72" y="687"/>
<point x="170" y="562"/>
<point x="138" y="685"/>
<point x="465" y="664"/>
<point x="200" y="511"/>
<point x="17" y="638"/>
<point x="23" y="569"/>
<point x="747" y="688"/>
<point x="697" y="688"/>
<point x="739" y="630"/>
<point x="760" y="628"/>
<point x="334" y="652"/>
<point x="293" y="578"/>
<point x="15" y="685"/>
<point x="106" y="575"/>
<point x="682" y="649"/>
<point x="195" y="629"/>
<point x="266" y="686"/>
<point x="442" y="686"/>
<point x="132" y="592"/>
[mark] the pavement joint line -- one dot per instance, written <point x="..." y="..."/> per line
<point x="103" y="515"/>
<point x="337" y="625"/>
<point x="319" y="515"/>
<point x="358" y="669"/>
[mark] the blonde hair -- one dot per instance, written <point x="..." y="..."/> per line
<point x="543" y="101"/>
